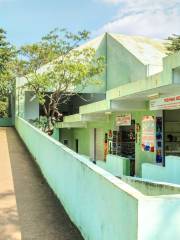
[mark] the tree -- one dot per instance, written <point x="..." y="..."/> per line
<point x="56" y="68"/>
<point x="173" y="43"/>
<point x="7" y="76"/>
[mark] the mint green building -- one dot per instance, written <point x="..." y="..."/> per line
<point x="137" y="72"/>
<point x="131" y="129"/>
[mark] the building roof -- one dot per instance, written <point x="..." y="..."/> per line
<point x="147" y="50"/>
<point x="93" y="43"/>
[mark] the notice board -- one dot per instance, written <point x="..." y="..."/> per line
<point x="148" y="134"/>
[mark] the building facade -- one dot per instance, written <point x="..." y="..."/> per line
<point x="132" y="116"/>
<point x="139" y="119"/>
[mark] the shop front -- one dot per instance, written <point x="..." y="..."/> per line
<point x="119" y="139"/>
<point x="167" y="127"/>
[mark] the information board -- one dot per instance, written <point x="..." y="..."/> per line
<point x="123" y="120"/>
<point x="148" y="134"/>
<point x="165" y="103"/>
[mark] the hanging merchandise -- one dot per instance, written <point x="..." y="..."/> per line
<point x="114" y="143"/>
<point x="159" y="140"/>
<point x="138" y="128"/>
<point x="105" y="146"/>
<point x="110" y="142"/>
<point x="110" y="134"/>
<point x="148" y="134"/>
<point x="131" y="135"/>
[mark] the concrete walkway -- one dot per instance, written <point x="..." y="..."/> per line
<point x="35" y="213"/>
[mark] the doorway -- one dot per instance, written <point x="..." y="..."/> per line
<point x="96" y="144"/>
<point x="77" y="145"/>
<point x="128" y="144"/>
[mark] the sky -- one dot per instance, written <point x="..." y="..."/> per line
<point x="26" y="21"/>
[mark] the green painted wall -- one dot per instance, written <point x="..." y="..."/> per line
<point x="101" y="86"/>
<point x="66" y="134"/>
<point x="83" y="136"/>
<point x="158" y="218"/>
<point x="100" y="205"/>
<point x="56" y="134"/>
<point x="122" y="66"/>
<point x="116" y="165"/>
<point x="169" y="173"/>
<point x="6" y="122"/>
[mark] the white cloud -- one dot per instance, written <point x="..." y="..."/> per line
<point x="155" y="18"/>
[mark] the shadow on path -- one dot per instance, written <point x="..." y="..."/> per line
<point x="42" y="217"/>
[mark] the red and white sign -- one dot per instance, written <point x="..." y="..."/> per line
<point x="165" y="103"/>
<point x="123" y="120"/>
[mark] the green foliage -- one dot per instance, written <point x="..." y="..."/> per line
<point x="7" y="65"/>
<point x="8" y="60"/>
<point x="39" y="123"/>
<point x="58" y="65"/>
<point x="3" y="108"/>
<point x="173" y="44"/>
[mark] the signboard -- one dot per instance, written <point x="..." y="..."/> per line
<point x="148" y="134"/>
<point x="123" y="120"/>
<point x="165" y="103"/>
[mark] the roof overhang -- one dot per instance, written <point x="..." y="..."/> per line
<point x="71" y="125"/>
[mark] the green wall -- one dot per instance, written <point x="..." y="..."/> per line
<point x="56" y="134"/>
<point x="83" y="136"/>
<point x="122" y="66"/>
<point x="66" y="134"/>
<point x="116" y="165"/>
<point x="169" y="173"/>
<point x="101" y="206"/>
<point x="100" y="87"/>
<point x="6" y="122"/>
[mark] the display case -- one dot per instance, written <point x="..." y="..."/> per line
<point x="172" y="138"/>
<point x="123" y="142"/>
<point x="159" y="140"/>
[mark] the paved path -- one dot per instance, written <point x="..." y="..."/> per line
<point x="40" y="216"/>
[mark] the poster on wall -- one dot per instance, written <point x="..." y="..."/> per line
<point x="148" y="134"/>
<point x="123" y="120"/>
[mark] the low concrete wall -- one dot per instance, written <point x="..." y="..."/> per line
<point x="102" y="206"/>
<point x="116" y="165"/>
<point x="169" y="173"/>
<point x="6" y="122"/>
<point x="151" y="188"/>
<point x="159" y="218"/>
